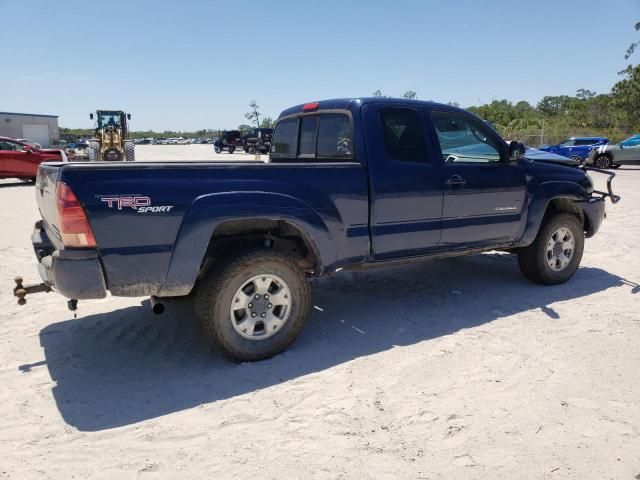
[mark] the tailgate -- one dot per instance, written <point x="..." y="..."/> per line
<point x="45" y="190"/>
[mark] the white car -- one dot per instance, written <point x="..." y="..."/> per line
<point x="30" y="143"/>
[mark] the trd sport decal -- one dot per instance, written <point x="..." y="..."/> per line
<point x="140" y="204"/>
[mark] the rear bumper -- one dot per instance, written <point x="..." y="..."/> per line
<point x="74" y="274"/>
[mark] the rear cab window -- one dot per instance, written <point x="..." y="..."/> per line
<point x="317" y="137"/>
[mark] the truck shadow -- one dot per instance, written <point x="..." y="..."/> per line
<point x="126" y="366"/>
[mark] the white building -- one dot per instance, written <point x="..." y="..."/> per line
<point x="42" y="129"/>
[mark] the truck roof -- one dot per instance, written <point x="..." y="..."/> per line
<point x="348" y="103"/>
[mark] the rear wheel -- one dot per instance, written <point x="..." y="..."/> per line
<point x="93" y="151"/>
<point x="603" y="161"/>
<point x="217" y="149"/>
<point x="254" y="305"/>
<point x="129" y="151"/>
<point x="555" y="254"/>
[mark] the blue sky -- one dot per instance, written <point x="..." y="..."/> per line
<point x="197" y="64"/>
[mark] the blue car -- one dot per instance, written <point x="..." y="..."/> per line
<point x="577" y="148"/>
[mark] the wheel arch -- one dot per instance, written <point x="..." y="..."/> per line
<point x="218" y="223"/>
<point x="553" y="196"/>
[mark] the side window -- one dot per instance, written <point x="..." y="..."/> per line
<point x="585" y="141"/>
<point x="334" y="136"/>
<point x="403" y="134"/>
<point x="10" y="146"/>
<point x="308" y="130"/>
<point x="568" y="143"/>
<point x="285" y="138"/>
<point x="463" y="141"/>
<point x="632" y="142"/>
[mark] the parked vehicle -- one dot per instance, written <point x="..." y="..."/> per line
<point x="161" y="141"/>
<point x="352" y="183"/>
<point x="577" y="148"/>
<point x="612" y="156"/>
<point x="21" y="160"/>
<point x="35" y="145"/>
<point x="257" y="140"/>
<point x="78" y="151"/>
<point x="229" y="140"/>
<point x="111" y="142"/>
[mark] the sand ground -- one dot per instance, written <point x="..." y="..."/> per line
<point x="457" y="368"/>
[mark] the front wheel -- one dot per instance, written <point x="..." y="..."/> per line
<point x="232" y="149"/>
<point x="93" y="151"/>
<point x="555" y="254"/>
<point x="129" y="152"/>
<point x="603" y="161"/>
<point x="254" y="305"/>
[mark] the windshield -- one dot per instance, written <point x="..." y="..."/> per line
<point x="108" y="119"/>
<point x="633" y="139"/>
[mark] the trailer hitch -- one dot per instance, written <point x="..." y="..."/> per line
<point x="21" y="291"/>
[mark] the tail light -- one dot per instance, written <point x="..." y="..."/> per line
<point x="72" y="221"/>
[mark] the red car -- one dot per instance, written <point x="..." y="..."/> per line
<point x="21" y="160"/>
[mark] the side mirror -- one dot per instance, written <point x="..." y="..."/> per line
<point x="91" y="116"/>
<point x="516" y="151"/>
<point x="27" y="148"/>
<point x="128" y="116"/>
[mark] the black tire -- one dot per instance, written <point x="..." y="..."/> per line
<point x="93" y="151"/>
<point x="217" y="149"/>
<point x="129" y="151"/>
<point x="603" y="161"/>
<point x="533" y="259"/>
<point x="216" y="292"/>
<point x="232" y="149"/>
<point x="252" y="150"/>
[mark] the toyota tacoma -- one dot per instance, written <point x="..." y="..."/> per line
<point x="350" y="183"/>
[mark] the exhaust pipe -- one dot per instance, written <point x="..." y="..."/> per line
<point x="157" y="306"/>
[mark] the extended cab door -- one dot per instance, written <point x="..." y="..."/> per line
<point x="406" y="186"/>
<point x="484" y="192"/>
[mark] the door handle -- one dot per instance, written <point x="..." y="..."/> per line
<point x="456" y="180"/>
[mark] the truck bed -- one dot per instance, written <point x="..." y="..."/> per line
<point x="153" y="220"/>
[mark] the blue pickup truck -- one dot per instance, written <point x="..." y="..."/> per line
<point x="351" y="183"/>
